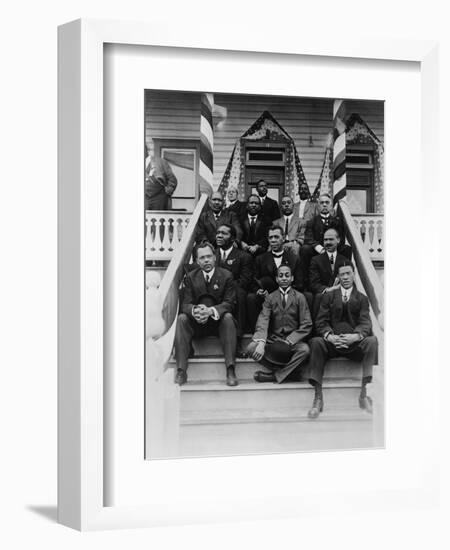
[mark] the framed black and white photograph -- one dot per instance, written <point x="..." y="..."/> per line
<point x="310" y="173"/>
<point x="198" y="392"/>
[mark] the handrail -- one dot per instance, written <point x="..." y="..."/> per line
<point x="170" y="283"/>
<point x="369" y="277"/>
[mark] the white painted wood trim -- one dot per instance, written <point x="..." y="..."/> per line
<point x="80" y="279"/>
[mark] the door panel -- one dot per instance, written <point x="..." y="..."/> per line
<point x="274" y="177"/>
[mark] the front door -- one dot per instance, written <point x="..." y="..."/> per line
<point x="273" y="176"/>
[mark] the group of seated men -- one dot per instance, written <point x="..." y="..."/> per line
<point x="287" y="279"/>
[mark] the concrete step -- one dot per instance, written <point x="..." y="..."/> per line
<point x="213" y="368"/>
<point x="245" y="438"/>
<point x="210" y="346"/>
<point x="281" y="414"/>
<point x="249" y="395"/>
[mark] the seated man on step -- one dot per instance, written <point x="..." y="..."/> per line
<point x="265" y="279"/>
<point x="282" y="328"/>
<point x="209" y="299"/>
<point x="324" y="268"/>
<point x="345" y="330"/>
<point x="240" y="264"/>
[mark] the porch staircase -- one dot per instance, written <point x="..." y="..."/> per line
<point x="254" y="417"/>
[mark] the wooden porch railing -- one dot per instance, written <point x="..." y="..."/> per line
<point x="164" y="232"/>
<point x="371" y="229"/>
<point x="369" y="278"/>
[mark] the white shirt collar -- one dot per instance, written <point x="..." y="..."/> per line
<point x="346" y="291"/>
<point x="288" y="217"/>
<point x="210" y="274"/>
<point x="227" y="251"/>
<point x="250" y="217"/>
<point x="284" y="291"/>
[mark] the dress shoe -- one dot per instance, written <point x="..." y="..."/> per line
<point x="365" y="403"/>
<point x="261" y="376"/>
<point x="231" y="377"/>
<point x="181" y="377"/>
<point x="317" y="407"/>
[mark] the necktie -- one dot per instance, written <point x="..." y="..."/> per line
<point x="345" y="297"/>
<point x="252" y="229"/>
<point x="283" y="299"/>
<point x="207" y="280"/>
<point x="223" y="256"/>
<point x="332" y="261"/>
<point x="286" y="227"/>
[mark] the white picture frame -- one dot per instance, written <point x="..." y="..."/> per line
<point x="83" y="487"/>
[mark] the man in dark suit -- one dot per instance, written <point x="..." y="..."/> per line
<point x="284" y="319"/>
<point x="208" y="302"/>
<point x="160" y="184"/>
<point x="315" y="230"/>
<point x="254" y="228"/>
<point x="344" y="328"/>
<point x="324" y="268"/>
<point x="269" y="207"/>
<point x="235" y="205"/>
<point x="240" y="264"/>
<point x="211" y="218"/>
<point x="265" y="279"/>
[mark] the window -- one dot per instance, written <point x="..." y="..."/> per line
<point x="182" y="155"/>
<point x="360" y="179"/>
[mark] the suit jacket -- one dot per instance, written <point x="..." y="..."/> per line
<point x="315" y="229"/>
<point x="311" y="210"/>
<point x="321" y="276"/>
<point x="160" y="183"/>
<point x="221" y="288"/>
<point x="207" y="225"/>
<point x="294" y="228"/>
<point x="330" y="312"/>
<point x="261" y="229"/>
<point x="294" y="320"/>
<point x="240" y="264"/>
<point x="270" y="209"/>
<point x="266" y="271"/>
<point x="239" y="208"/>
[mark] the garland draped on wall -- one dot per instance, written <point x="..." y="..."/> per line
<point x="265" y="128"/>
<point x="358" y="132"/>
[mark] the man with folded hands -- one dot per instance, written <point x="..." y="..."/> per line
<point x="345" y="330"/>
<point x="281" y="330"/>
<point x="209" y="299"/>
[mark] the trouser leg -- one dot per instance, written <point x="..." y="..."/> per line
<point x="241" y="316"/>
<point x="254" y="304"/>
<point x="183" y="338"/>
<point x="301" y="354"/>
<point x="227" y="335"/>
<point x="369" y="349"/>
<point x="318" y="357"/>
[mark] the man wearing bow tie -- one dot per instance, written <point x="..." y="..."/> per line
<point x="213" y="217"/>
<point x="315" y="230"/>
<point x="208" y="302"/>
<point x="345" y="329"/>
<point x="266" y="266"/>
<point x="282" y="328"/>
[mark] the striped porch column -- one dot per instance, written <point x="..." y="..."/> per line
<point x="339" y="151"/>
<point x="206" y="144"/>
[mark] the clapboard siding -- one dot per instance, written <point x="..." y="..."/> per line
<point x="307" y="120"/>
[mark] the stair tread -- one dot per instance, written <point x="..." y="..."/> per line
<point x="283" y="414"/>
<point x="213" y="385"/>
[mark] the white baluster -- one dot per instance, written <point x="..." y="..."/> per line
<point x="165" y="239"/>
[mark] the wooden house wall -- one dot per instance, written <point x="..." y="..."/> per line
<point x="307" y="120"/>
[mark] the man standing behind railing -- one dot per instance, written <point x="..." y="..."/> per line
<point x="160" y="184"/>
<point x="208" y="301"/>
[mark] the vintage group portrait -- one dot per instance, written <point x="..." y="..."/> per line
<point x="264" y="274"/>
